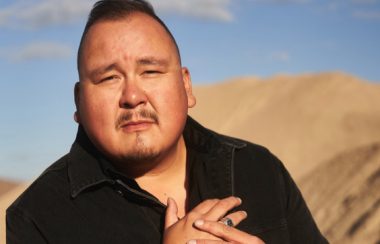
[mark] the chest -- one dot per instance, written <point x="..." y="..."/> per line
<point x="105" y="216"/>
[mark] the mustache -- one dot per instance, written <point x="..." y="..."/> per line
<point x="141" y="114"/>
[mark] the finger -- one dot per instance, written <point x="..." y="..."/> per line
<point x="203" y="241"/>
<point x="205" y="206"/>
<point x="171" y="216"/>
<point x="236" y="217"/>
<point x="222" y="207"/>
<point x="226" y="232"/>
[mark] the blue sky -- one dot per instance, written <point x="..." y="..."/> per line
<point x="219" y="39"/>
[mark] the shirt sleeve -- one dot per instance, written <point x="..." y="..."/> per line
<point x="301" y="225"/>
<point x="21" y="230"/>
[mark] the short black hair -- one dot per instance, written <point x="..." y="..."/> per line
<point x="115" y="10"/>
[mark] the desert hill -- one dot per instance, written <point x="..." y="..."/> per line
<point x="5" y="200"/>
<point x="324" y="127"/>
<point x="305" y="120"/>
<point x="344" y="195"/>
<point x="6" y="185"/>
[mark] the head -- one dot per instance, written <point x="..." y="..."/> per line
<point x="116" y="10"/>
<point x="133" y="95"/>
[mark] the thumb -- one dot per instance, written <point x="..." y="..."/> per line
<point x="171" y="213"/>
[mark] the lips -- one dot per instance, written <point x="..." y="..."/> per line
<point x="135" y="126"/>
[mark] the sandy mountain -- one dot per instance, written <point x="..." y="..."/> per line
<point x="344" y="195"/>
<point x="6" y="185"/>
<point x="5" y="200"/>
<point x="305" y="120"/>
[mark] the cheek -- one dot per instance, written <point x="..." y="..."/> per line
<point x="177" y="109"/>
<point x="98" y="108"/>
<point x="172" y="100"/>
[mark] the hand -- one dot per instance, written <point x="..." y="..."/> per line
<point x="228" y="234"/>
<point x="183" y="230"/>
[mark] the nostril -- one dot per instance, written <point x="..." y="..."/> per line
<point x="132" y="96"/>
<point x="126" y="105"/>
<point x="132" y="101"/>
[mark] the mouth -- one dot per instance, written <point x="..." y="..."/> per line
<point x="135" y="126"/>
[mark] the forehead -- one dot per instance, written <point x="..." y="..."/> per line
<point x="135" y="35"/>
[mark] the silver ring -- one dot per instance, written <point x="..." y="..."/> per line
<point x="227" y="221"/>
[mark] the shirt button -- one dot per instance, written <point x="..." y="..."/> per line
<point x="120" y="193"/>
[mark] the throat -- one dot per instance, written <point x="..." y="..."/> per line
<point x="171" y="181"/>
<point x="180" y="198"/>
<point x="176" y="191"/>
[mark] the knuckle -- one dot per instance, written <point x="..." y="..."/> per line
<point x="226" y="229"/>
<point x="192" y="216"/>
<point x="223" y="204"/>
<point x="214" y="228"/>
<point x="220" y="229"/>
<point x="211" y="201"/>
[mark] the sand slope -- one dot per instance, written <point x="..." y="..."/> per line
<point x="6" y="185"/>
<point x="305" y="120"/>
<point x="344" y="196"/>
<point x="5" y="200"/>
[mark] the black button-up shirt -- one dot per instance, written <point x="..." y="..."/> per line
<point x="82" y="198"/>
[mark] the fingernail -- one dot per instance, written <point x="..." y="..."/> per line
<point x="239" y="199"/>
<point x="192" y="242"/>
<point x="199" y="222"/>
<point x="245" y="213"/>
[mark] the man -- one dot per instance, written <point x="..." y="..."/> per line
<point x="141" y="170"/>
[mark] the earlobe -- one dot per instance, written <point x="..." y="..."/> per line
<point x="191" y="100"/>
<point x="76" y="100"/>
<point x="76" y="117"/>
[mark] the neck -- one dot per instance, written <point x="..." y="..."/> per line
<point x="167" y="177"/>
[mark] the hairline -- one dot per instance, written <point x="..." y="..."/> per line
<point x="125" y="15"/>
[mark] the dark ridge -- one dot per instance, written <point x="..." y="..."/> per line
<point x="370" y="152"/>
<point x="348" y="201"/>
<point x="362" y="219"/>
<point x="373" y="177"/>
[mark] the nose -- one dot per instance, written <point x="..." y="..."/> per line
<point x="132" y="95"/>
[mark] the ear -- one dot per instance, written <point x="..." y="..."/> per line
<point x="191" y="100"/>
<point x="76" y="100"/>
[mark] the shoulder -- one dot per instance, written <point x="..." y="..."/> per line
<point x="256" y="168"/>
<point x="50" y="186"/>
<point x="250" y="154"/>
<point x="248" y="157"/>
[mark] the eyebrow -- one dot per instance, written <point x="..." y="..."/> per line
<point x="153" y="61"/>
<point x="142" y="61"/>
<point x="103" y="70"/>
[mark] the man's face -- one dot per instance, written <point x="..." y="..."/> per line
<point x="133" y="95"/>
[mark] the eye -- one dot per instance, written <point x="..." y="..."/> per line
<point x="109" y="78"/>
<point x="151" y="72"/>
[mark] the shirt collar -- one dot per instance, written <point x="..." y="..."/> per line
<point x="88" y="167"/>
<point x="205" y="140"/>
<point x="216" y="153"/>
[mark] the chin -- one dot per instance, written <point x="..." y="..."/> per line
<point x="141" y="156"/>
